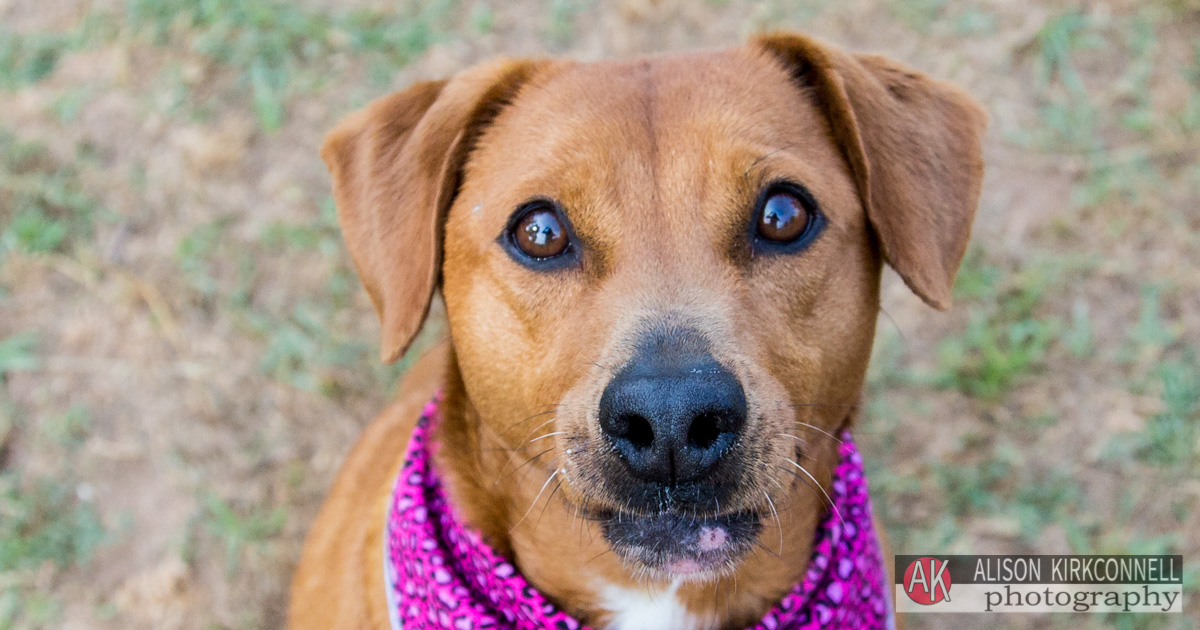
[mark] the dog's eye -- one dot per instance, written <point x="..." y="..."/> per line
<point x="539" y="233"/>
<point x="783" y="218"/>
<point x="787" y="219"/>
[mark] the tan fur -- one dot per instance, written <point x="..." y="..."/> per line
<point x="656" y="162"/>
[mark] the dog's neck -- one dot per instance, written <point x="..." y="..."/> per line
<point x="575" y="568"/>
<point x="471" y="465"/>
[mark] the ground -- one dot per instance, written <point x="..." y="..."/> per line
<point x="186" y="356"/>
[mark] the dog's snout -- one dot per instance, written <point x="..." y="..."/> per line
<point x="672" y="421"/>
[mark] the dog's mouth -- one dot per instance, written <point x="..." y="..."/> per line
<point x="682" y="545"/>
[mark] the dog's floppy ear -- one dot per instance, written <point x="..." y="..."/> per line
<point x="395" y="167"/>
<point x="914" y="147"/>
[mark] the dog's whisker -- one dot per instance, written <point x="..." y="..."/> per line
<point x="820" y="430"/>
<point x="756" y="162"/>
<point x="542" y="437"/>
<point x="899" y="330"/>
<point x="759" y="544"/>
<point x="548" y="500"/>
<point x="511" y="451"/>
<point x="552" y="409"/>
<point x="735" y="575"/>
<point x="534" y="431"/>
<point x="598" y="555"/>
<point x="814" y="480"/>
<point x="527" y="462"/>
<point x="794" y="437"/>
<point x="535" y="500"/>
<point x="778" y="525"/>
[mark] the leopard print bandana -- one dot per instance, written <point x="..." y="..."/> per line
<point x="441" y="574"/>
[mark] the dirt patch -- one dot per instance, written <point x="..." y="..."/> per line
<point x="187" y="355"/>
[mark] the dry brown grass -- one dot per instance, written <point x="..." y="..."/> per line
<point x="186" y="356"/>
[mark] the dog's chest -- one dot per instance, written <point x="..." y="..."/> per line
<point x="646" y="608"/>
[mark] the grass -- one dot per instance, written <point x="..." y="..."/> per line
<point x="993" y="354"/>
<point x="68" y="429"/>
<point x="1113" y="124"/>
<point x="1171" y="437"/>
<point x="301" y="350"/>
<point x="17" y="353"/>
<point x="277" y="49"/>
<point x="26" y="59"/>
<point x="919" y="15"/>
<point x="197" y="256"/>
<point x="42" y="524"/>
<point x="271" y="43"/>
<point x="44" y="205"/>
<point x="979" y="432"/>
<point x="240" y="531"/>
<point x="1017" y="498"/>
<point x="1006" y="338"/>
<point x="1151" y="329"/>
<point x="561" y="18"/>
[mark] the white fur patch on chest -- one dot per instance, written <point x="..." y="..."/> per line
<point x="646" y="609"/>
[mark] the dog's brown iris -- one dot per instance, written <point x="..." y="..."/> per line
<point x="783" y="219"/>
<point x="540" y="234"/>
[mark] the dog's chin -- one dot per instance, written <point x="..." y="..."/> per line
<point x="677" y="546"/>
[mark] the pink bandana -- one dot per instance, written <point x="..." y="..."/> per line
<point x="441" y="574"/>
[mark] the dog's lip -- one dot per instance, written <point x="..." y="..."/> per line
<point x="682" y="545"/>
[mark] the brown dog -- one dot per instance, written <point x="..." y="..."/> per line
<point x="620" y="245"/>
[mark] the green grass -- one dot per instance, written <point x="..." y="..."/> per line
<point x="1017" y="497"/>
<point x="17" y="353"/>
<point x="1007" y="337"/>
<point x="304" y="343"/>
<point x="1113" y="124"/>
<point x="26" y="59"/>
<point x="1171" y="437"/>
<point x="977" y="276"/>
<point x="561" y="18"/>
<point x="197" y="255"/>
<point x="919" y="15"/>
<point x="1058" y="40"/>
<point x="279" y="49"/>
<point x="993" y="354"/>
<point x="1151" y="329"/>
<point x="264" y="40"/>
<point x="483" y="18"/>
<point x="286" y="298"/>
<point x="44" y="522"/>
<point x="302" y="351"/>
<point x="41" y="523"/>
<point x="29" y="57"/>
<point x="240" y="531"/>
<point x="44" y="205"/>
<point x="68" y="429"/>
<point x="1079" y="337"/>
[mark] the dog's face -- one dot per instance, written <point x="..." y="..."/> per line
<point x="671" y="257"/>
<point x="661" y="276"/>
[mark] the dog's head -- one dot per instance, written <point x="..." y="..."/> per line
<point x="661" y="276"/>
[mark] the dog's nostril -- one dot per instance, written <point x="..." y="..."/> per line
<point x="636" y="429"/>
<point x="704" y="430"/>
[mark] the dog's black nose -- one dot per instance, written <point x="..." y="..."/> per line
<point x="672" y="418"/>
